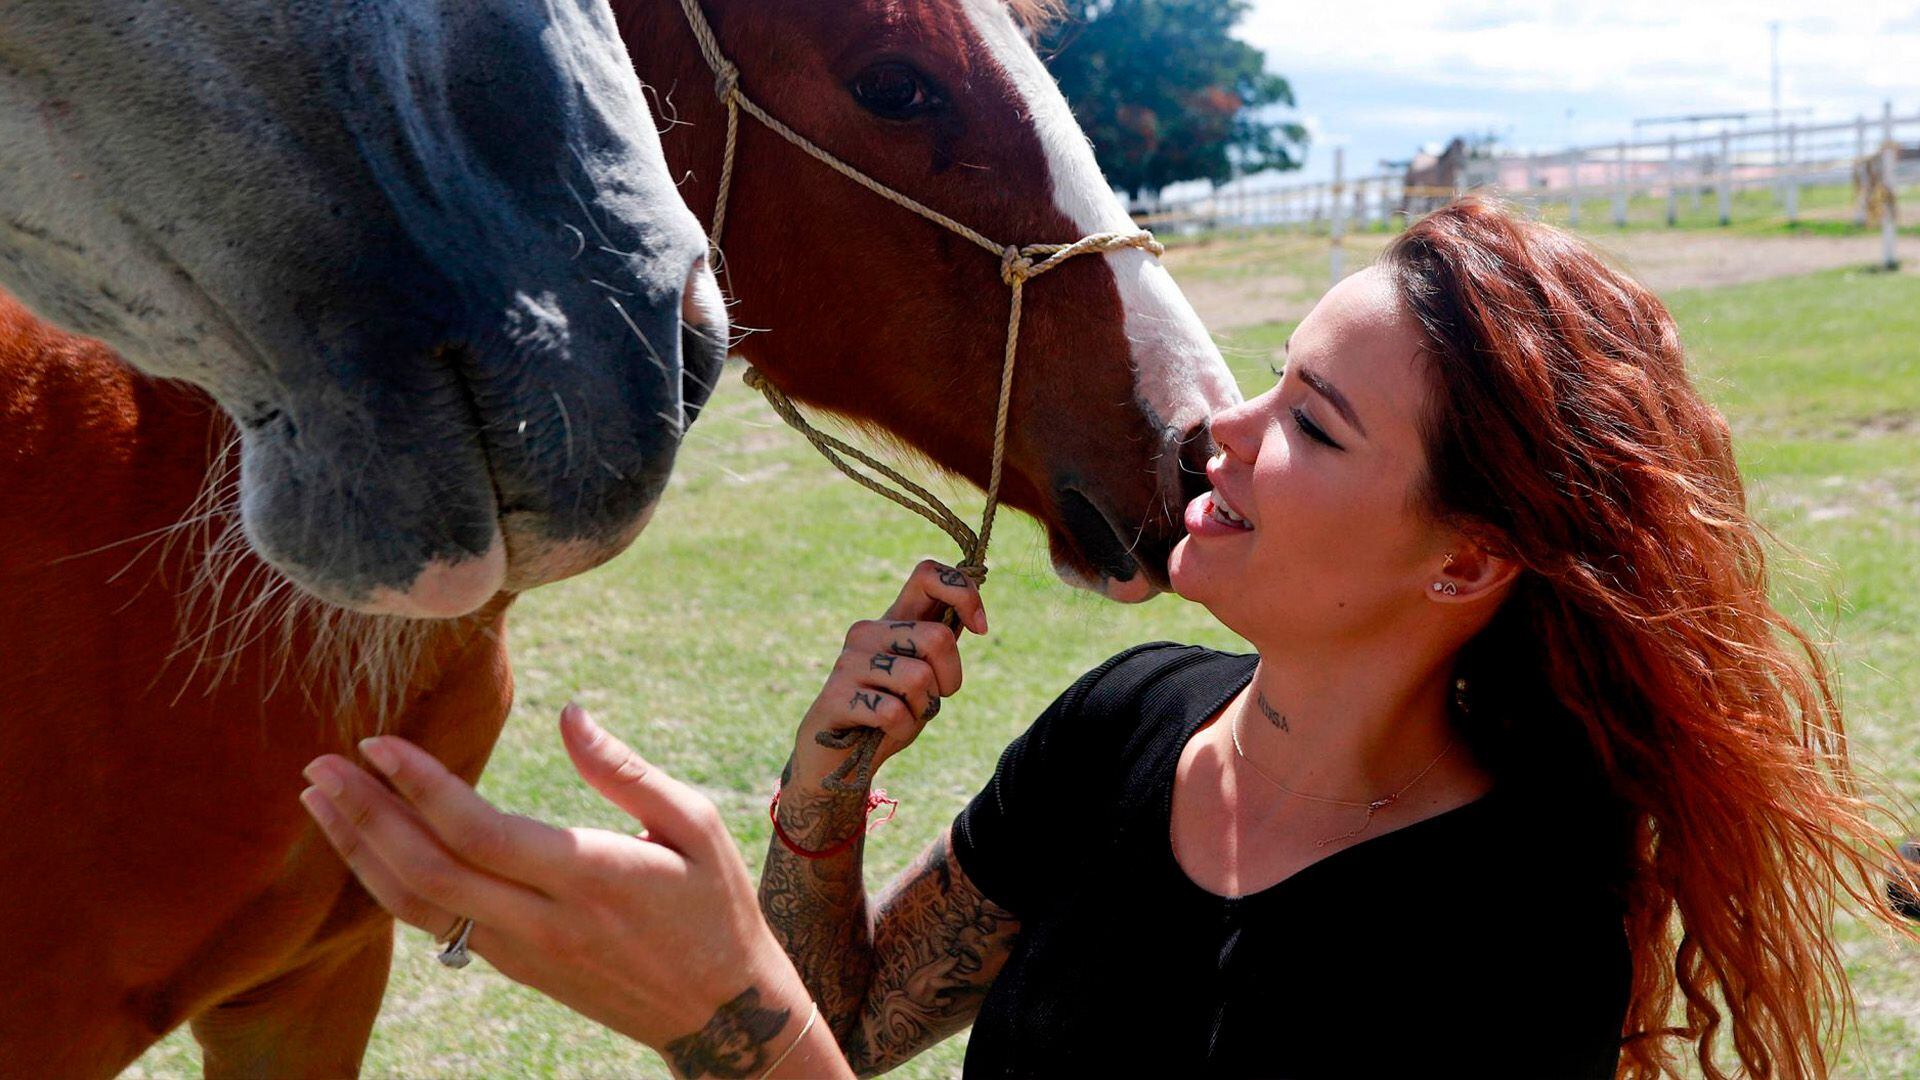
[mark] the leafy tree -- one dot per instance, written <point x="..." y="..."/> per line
<point x="1167" y="94"/>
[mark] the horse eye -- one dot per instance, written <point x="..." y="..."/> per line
<point x="893" y="90"/>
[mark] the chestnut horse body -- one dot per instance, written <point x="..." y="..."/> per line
<point x="158" y="697"/>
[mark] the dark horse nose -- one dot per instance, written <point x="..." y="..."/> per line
<point x="1196" y="449"/>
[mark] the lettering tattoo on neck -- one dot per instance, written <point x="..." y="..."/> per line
<point x="734" y="1042"/>
<point x="1273" y="715"/>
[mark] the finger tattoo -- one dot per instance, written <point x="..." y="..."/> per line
<point x="865" y="699"/>
<point x="883" y="662"/>
<point x="952" y="577"/>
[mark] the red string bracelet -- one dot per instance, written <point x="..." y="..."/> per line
<point x="874" y="801"/>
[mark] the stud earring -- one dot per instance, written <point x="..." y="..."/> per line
<point x="1447" y="587"/>
<point x="1460" y="694"/>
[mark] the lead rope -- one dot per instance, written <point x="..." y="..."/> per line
<point x="1018" y="265"/>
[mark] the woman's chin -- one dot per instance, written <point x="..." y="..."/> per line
<point x="1185" y="574"/>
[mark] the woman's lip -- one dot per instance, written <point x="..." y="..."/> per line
<point x="1200" y="521"/>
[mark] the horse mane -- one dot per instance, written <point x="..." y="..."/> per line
<point x="1036" y="16"/>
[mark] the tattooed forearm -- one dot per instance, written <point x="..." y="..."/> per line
<point x="734" y="1042"/>
<point x="938" y="944"/>
<point x="1272" y="714"/>
<point x="818" y="907"/>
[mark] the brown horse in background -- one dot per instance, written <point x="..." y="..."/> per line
<point x="159" y="704"/>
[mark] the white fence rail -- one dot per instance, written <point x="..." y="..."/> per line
<point x="1691" y="173"/>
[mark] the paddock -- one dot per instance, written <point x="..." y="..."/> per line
<point x="705" y="642"/>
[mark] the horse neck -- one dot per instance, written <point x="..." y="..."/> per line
<point x="117" y="495"/>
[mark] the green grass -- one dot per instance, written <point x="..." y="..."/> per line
<point x="705" y="642"/>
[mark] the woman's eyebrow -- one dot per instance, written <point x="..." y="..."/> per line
<point x="1332" y="393"/>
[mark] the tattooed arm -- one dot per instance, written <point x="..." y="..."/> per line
<point x="895" y="977"/>
<point x="938" y="944"/>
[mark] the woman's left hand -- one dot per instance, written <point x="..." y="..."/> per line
<point x="658" y="936"/>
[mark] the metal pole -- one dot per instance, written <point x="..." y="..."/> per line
<point x="1673" y="180"/>
<point x="1888" y="159"/>
<point x="1620" y="188"/>
<point x="1573" y="188"/>
<point x="1338" y="226"/>
<point x="1860" y="160"/>
<point x="1726" y="177"/>
<point x="1793" y="181"/>
<point x="1775" y="27"/>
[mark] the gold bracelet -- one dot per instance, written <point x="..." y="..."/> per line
<point x="777" y="1062"/>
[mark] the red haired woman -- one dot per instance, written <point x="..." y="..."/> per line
<point x="1527" y="777"/>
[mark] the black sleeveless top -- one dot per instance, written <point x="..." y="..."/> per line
<point x="1485" y="941"/>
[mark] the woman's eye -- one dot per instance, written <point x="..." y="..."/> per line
<point x="1312" y="430"/>
<point x="894" y="90"/>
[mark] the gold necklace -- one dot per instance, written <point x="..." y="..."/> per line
<point x="1371" y="807"/>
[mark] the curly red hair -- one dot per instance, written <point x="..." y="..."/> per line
<point x="1640" y="664"/>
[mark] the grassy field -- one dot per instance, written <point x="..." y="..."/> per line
<point x="705" y="642"/>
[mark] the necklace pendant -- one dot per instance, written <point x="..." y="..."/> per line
<point x="1378" y="805"/>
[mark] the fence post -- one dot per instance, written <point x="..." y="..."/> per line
<point x="1336" y="228"/>
<point x="1792" y="178"/>
<point x="1673" y="180"/>
<point x="1888" y="159"/>
<point x="1726" y="177"/>
<point x="1573" y="188"/>
<point x="1860" y="159"/>
<point x="1620" y="188"/>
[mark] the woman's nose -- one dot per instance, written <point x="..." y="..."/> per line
<point x="1236" y="430"/>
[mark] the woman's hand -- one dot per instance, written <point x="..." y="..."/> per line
<point x="892" y="672"/>
<point x="657" y="936"/>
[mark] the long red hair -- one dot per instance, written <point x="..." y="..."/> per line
<point x="1640" y="663"/>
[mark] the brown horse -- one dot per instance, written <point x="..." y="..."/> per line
<point x="889" y="319"/>
<point x="159" y="867"/>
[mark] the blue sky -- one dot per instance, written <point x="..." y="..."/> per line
<point x="1385" y="76"/>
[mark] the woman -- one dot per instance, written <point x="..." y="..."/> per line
<point x="1527" y="776"/>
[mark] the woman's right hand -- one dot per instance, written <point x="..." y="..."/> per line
<point x="891" y="673"/>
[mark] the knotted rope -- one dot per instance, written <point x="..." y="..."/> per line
<point x="1019" y="264"/>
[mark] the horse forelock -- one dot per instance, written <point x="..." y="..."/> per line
<point x="1035" y="16"/>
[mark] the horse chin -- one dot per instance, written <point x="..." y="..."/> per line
<point x="1134" y="590"/>
<point x="535" y="559"/>
<point x="445" y="590"/>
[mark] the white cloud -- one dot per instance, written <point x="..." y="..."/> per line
<point x="1697" y="55"/>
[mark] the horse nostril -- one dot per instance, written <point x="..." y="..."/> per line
<point x="1196" y="449"/>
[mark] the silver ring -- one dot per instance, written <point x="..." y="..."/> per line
<point x="455" y="954"/>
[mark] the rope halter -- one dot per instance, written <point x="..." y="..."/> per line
<point x="1019" y="264"/>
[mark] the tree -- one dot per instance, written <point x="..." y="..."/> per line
<point x="1167" y="94"/>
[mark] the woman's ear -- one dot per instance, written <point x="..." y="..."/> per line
<point x="1474" y="571"/>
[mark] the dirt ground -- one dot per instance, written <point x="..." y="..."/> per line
<point x="1239" y="283"/>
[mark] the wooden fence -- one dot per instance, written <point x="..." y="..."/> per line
<point x="1877" y="156"/>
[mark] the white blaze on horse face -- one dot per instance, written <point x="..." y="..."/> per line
<point x="1178" y="370"/>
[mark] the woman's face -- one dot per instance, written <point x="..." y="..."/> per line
<point x="1322" y="471"/>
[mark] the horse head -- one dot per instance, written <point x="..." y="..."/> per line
<point x="893" y="321"/>
<point x="425" y="254"/>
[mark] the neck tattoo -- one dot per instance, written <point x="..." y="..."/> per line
<point x="1273" y="715"/>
